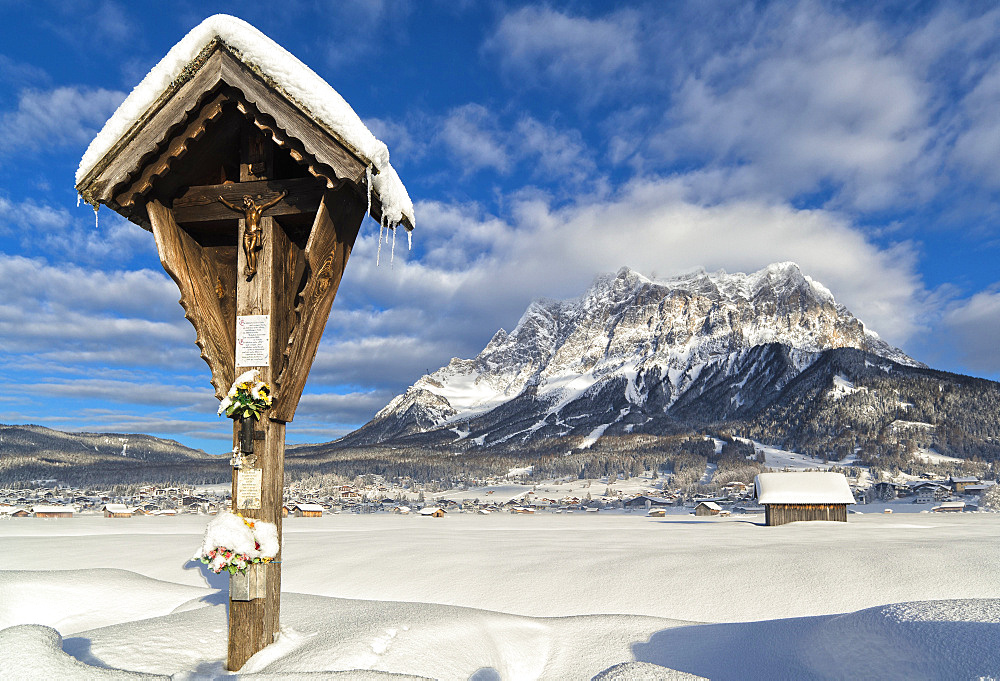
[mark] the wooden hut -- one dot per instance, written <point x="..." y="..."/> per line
<point x="707" y="508"/>
<point x="308" y="510"/>
<point x="789" y="497"/>
<point x="433" y="512"/>
<point x="117" y="511"/>
<point x="52" y="511"/>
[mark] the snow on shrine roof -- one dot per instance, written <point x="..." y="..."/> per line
<point x="808" y="487"/>
<point x="284" y="72"/>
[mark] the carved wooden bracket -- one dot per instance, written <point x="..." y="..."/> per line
<point x="199" y="279"/>
<point x="330" y="243"/>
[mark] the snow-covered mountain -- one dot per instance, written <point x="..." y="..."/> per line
<point x="633" y="355"/>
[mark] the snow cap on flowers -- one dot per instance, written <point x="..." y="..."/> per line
<point x="245" y="377"/>
<point x="256" y="391"/>
<point x="266" y="535"/>
<point x="230" y="531"/>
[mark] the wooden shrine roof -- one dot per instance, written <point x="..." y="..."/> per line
<point x="168" y="125"/>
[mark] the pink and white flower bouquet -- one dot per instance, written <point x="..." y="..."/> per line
<point x="233" y="543"/>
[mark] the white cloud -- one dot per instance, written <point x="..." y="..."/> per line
<point x="977" y="147"/>
<point x="126" y="392"/>
<point x="813" y="99"/>
<point x="76" y="236"/>
<point x="543" y="46"/>
<point x="342" y="409"/>
<point x="64" y="116"/>
<point x="560" y="154"/>
<point x="62" y="311"/>
<point x="368" y="23"/>
<point x="407" y="146"/>
<point x="974" y="325"/>
<point x="477" y="138"/>
<point x="31" y="217"/>
<point x="473" y="138"/>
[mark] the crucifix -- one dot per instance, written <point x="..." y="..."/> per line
<point x="253" y="233"/>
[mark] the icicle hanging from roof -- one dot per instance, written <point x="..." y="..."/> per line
<point x="381" y="226"/>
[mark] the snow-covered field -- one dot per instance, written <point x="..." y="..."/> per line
<point x="517" y="597"/>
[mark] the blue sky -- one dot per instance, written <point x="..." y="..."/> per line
<point x="542" y="144"/>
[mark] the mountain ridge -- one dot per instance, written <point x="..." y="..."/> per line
<point x="641" y="345"/>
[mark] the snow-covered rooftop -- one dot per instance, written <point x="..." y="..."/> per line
<point x="807" y="487"/>
<point x="284" y="72"/>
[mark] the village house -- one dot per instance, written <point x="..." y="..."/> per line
<point x="884" y="491"/>
<point x="949" y="507"/>
<point x="958" y="485"/>
<point x="348" y="492"/>
<point x="49" y="511"/>
<point x="117" y="511"/>
<point x="980" y="488"/>
<point x="811" y="495"/>
<point x="432" y="512"/>
<point x="307" y="510"/>
<point x="709" y="508"/>
<point x="647" y="501"/>
<point x="926" y="491"/>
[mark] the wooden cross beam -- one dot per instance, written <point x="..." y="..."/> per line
<point x="202" y="204"/>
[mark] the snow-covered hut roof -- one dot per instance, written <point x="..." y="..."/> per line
<point x="281" y="71"/>
<point x="310" y="508"/>
<point x="806" y="487"/>
<point x="711" y="504"/>
<point x="43" y="508"/>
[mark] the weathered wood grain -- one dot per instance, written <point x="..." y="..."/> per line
<point x="317" y="141"/>
<point x="201" y="204"/>
<point x="331" y="241"/>
<point x="196" y="274"/>
<point x="779" y="514"/>
<point x="176" y="148"/>
<point x="126" y="157"/>
<point x="254" y="624"/>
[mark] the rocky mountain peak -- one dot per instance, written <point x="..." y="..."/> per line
<point x="657" y="339"/>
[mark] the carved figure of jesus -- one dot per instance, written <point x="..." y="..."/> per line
<point x="253" y="233"/>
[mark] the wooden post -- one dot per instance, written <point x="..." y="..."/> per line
<point x="253" y="624"/>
